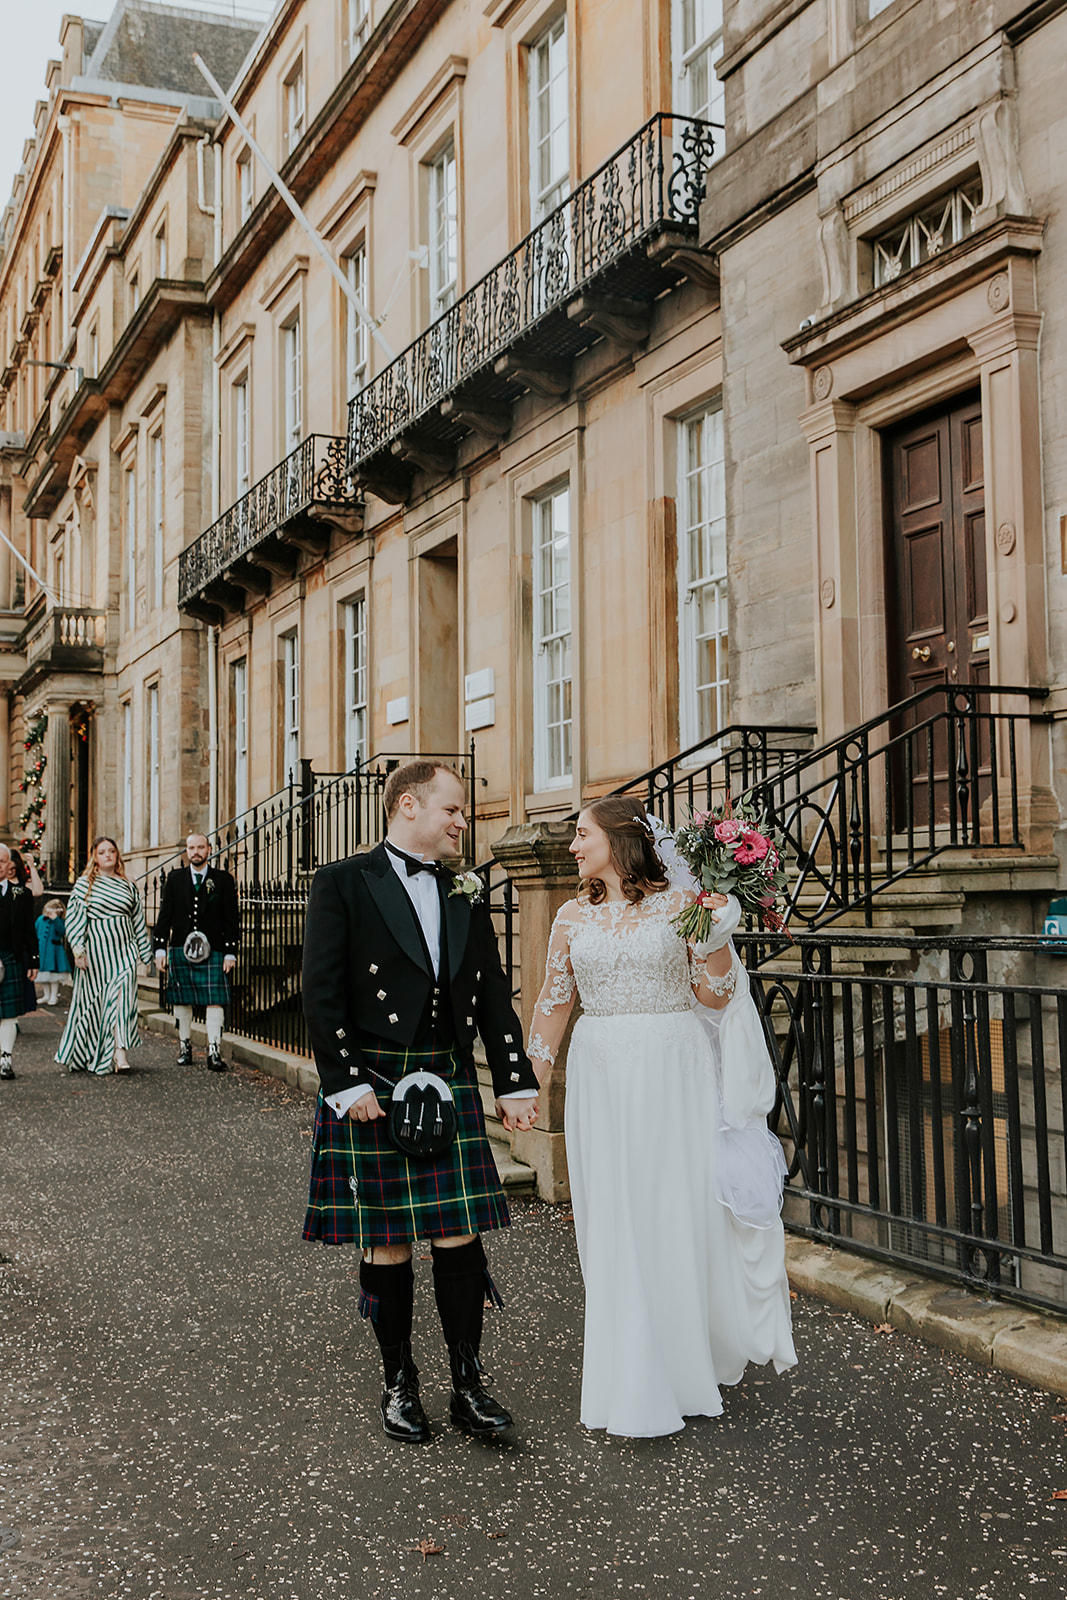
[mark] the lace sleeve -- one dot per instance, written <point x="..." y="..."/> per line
<point x="556" y="999"/>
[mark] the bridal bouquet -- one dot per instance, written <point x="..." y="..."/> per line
<point x="731" y="851"/>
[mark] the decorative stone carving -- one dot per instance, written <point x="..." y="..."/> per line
<point x="822" y="383"/>
<point x="1007" y="611"/>
<point x="998" y="292"/>
<point x="828" y="593"/>
<point x="997" y="139"/>
<point x="1006" y="538"/>
<point x="836" y="248"/>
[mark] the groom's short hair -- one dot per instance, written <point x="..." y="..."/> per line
<point x="415" y="779"/>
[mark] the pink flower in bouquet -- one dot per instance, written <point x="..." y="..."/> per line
<point x="756" y="843"/>
<point x="700" y="817"/>
<point x="728" y="832"/>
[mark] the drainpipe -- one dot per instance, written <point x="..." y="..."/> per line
<point x="214" y="211"/>
<point x="66" y="128"/>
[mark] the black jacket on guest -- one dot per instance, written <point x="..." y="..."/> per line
<point x="213" y="910"/>
<point x="367" y="972"/>
<point x="18" y="926"/>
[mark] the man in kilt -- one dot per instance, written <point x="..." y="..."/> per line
<point x="18" y="952"/>
<point x="401" y="970"/>
<point x="198" y="899"/>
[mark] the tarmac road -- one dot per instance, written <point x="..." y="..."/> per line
<point x="188" y="1402"/>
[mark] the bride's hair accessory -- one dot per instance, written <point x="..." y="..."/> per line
<point x="679" y="875"/>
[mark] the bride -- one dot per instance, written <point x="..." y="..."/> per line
<point x="675" y="1178"/>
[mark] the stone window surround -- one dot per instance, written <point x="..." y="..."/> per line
<point x="522" y="23"/>
<point x="343" y="590"/>
<point x="434" y="121"/>
<point x="349" y="226"/>
<point x="969" y="319"/>
<point x="558" y="461"/>
<point x="669" y="397"/>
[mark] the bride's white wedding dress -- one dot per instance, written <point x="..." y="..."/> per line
<point x="679" y="1294"/>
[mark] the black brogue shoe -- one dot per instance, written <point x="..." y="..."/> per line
<point x="215" y="1062"/>
<point x="185" y="1053"/>
<point x="472" y="1407"/>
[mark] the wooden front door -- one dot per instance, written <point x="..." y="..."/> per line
<point x="936" y="589"/>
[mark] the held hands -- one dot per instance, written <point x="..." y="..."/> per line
<point x="161" y="962"/>
<point x="518" y="1116"/>
<point x="228" y="963"/>
<point x="726" y="925"/>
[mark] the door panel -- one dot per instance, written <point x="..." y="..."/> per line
<point x="936" y="579"/>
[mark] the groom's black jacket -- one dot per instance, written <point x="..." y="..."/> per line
<point x="366" y="973"/>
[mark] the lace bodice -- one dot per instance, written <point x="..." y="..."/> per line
<point x="623" y="960"/>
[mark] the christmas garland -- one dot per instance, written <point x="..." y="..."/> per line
<point x="32" y="818"/>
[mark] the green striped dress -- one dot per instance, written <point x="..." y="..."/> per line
<point x="109" y="925"/>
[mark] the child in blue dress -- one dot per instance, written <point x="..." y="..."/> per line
<point x="54" y="961"/>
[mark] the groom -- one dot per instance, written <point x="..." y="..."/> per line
<point x="401" y="971"/>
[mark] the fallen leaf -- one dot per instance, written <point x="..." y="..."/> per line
<point x="457" y="1517"/>
<point x="1061" y="1418"/>
<point x="883" y="1327"/>
<point x="426" y="1547"/>
<point x="500" y="1535"/>
<point x="1058" y="1494"/>
<point x="792" y="1294"/>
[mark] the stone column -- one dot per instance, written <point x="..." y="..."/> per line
<point x="536" y="859"/>
<point x="830" y="426"/>
<point x="56" y="862"/>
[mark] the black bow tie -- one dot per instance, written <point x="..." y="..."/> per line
<point x="413" y="866"/>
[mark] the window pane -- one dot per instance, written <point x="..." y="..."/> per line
<point x="702" y="579"/>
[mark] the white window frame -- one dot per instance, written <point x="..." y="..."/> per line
<point x="246" y="187"/>
<point x="696" y="42"/>
<point x="442" y="228"/>
<point x="553" y="752"/>
<point x="292" y="385"/>
<point x="290" y="706"/>
<point x="548" y="71"/>
<point x="359" y="26"/>
<point x="242" y="462"/>
<point x="357" y="344"/>
<point x="152" y="718"/>
<point x="239" y="683"/>
<point x="129" y="512"/>
<point x="157" y="503"/>
<point x="704" y="699"/>
<point x="127" y="775"/>
<point x="295" y="107"/>
<point x="355" y="681"/>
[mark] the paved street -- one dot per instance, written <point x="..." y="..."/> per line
<point x="188" y="1402"/>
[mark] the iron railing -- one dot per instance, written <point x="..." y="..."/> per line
<point x="654" y="181"/>
<point x="936" y="772"/>
<point x="313" y="475"/>
<point x="274" y="849"/>
<point x="729" y="761"/>
<point x="922" y="1113"/>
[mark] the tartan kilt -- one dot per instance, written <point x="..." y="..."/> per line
<point x="13" y="990"/>
<point x="364" y="1192"/>
<point x="203" y="985"/>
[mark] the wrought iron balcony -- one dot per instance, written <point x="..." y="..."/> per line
<point x="590" y="270"/>
<point x="292" y="509"/>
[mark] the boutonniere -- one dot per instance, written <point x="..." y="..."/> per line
<point x="469" y="885"/>
<point x="209" y="886"/>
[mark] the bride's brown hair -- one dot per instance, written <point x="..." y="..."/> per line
<point x="632" y="852"/>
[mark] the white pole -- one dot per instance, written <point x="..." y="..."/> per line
<point x="17" y="553"/>
<point x="316" y="239"/>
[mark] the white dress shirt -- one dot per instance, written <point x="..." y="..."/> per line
<point x="199" y="874"/>
<point x="422" y="891"/>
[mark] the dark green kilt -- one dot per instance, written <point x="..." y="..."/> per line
<point x="13" y="1001"/>
<point x="203" y="985"/>
<point x="365" y="1192"/>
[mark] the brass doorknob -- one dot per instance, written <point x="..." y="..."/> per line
<point x="921" y="655"/>
<point x="951" y="646"/>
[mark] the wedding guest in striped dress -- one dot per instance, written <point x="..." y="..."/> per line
<point x="107" y="932"/>
<point x="18" y="957"/>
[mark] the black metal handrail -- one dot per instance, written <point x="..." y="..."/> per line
<point x="922" y="1112"/>
<point x="739" y="756"/>
<point x="313" y="474"/>
<point x="654" y="180"/>
<point x="274" y="849"/>
<point x="935" y="772"/>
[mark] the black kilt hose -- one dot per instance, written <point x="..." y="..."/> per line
<point x="204" y="984"/>
<point x="13" y="991"/>
<point x="364" y="1192"/>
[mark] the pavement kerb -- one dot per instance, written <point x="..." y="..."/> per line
<point x="1024" y="1344"/>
